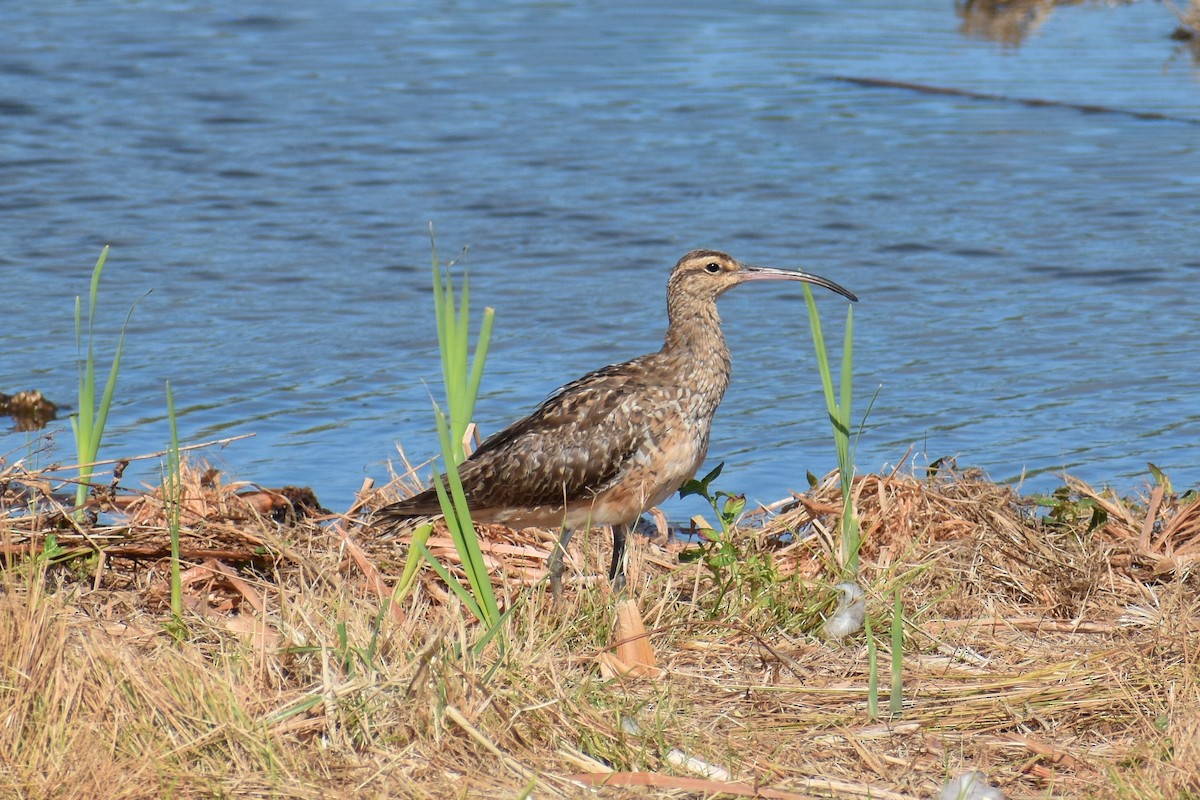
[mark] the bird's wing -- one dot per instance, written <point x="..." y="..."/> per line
<point x="572" y="446"/>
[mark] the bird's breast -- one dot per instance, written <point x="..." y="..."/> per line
<point x="654" y="472"/>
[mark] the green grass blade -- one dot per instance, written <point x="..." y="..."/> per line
<point x="111" y="384"/>
<point x="173" y="496"/>
<point x="93" y="294"/>
<point x="446" y="328"/>
<point x="81" y="422"/>
<point x="862" y="424"/>
<point x="83" y="366"/>
<point x="409" y="576"/>
<point x="850" y="529"/>
<point x="443" y="308"/>
<point x="87" y="438"/>
<point x="462" y="336"/>
<point x="845" y="393"/>
<point x="461" y="591"/>
<point x="872" y="671"/>
<point x="94" y="290"/>
<point x="839" y="409"/>
<point x="456" y="337"/>
<point x="461" y="379"/>
<point x="896" y="704"/>
<point x="458" y="520"/>
<point x="496" y="628"/>
<point x="814" y="321"/>
<point x="481" y="348"/>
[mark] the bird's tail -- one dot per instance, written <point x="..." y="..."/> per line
<point x="422" y="505"/>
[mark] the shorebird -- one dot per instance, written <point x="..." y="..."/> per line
<point x="609" y="446"/>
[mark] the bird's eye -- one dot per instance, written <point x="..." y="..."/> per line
<point x="712" y="268"/>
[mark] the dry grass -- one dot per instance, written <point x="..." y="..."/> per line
<point x="1059" y="660"/>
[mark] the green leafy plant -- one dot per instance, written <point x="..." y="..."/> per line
<point x="1161" y="478"/>
<point x="729" y="563"/>
<point x="52" y="551"/>
<point x="367" y="656"/>
<point x="896" y="699"/>
<point x="88" y="424"/>
<point x="461" y="372"/>
<point x="462" y="375"/>
<point x="411" y="564"/>
<point x="896" y="689"/>
<point x="1067" y="509"/>
<point x="172" y="486"/>
<point x="718" y="550"/>
<point x="838" y="404"/>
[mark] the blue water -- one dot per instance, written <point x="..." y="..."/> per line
<point x="1026" y="273"/>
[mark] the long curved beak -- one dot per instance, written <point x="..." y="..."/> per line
<point x="768" y="274"/>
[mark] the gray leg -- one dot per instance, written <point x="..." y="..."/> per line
<point x="555" y="565"/>
<point x="616" y="572"/>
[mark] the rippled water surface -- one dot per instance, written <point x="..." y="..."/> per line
<point x="1027" y="273"/>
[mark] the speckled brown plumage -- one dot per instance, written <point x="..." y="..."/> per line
<point x="605" y="448"/>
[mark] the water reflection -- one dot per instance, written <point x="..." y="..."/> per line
<point x="1007" y="21"/>
<point x="1188" y="31"/>
<point x="1012" y="21"/>
<point x="29" y="410"/>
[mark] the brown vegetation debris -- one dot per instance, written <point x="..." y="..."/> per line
<point x="225" y="522"/>
<point x="1042" y="644"/>
<point x="1158" y="536"/>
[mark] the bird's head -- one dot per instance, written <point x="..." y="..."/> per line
<point x="705" y="275"/>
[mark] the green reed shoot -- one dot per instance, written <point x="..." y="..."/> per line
<point x="896" y="691"/>
<point x="88" y="424"/>
<point x="172" y="485"/>
<point x="408" y="575"/>
<point x="872" y="670"/>
<point x="462" y="375"/>
<point x="481" y="599"/>
<point x="838" y="406"/>
<point x="896" y="703"/>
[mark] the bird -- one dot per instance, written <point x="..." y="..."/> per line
<point x="606" y="448"/>
<point x="850" y="613"/>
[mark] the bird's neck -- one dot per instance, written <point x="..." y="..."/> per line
<point x="694" y="335"/>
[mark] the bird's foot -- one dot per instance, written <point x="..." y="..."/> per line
<point x="554" y="566"/>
